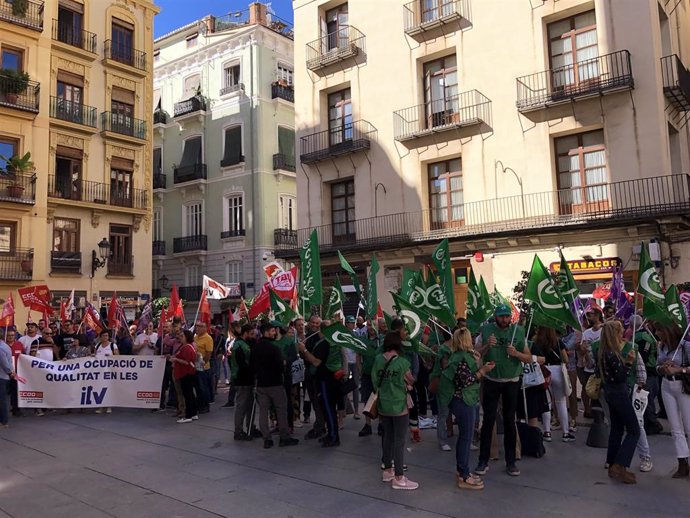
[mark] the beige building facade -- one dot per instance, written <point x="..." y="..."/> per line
<point x="84" y="116"/>
<point x="510" y="127"/>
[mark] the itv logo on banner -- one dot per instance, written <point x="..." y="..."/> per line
<point x="90" y="397"/>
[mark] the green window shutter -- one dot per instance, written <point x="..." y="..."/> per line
<point x="286" y="142"/>
<point x="233" y="147"/>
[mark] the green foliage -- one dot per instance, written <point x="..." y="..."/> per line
<point x="17" y="164"/>
<point x="158" y="304"/>
<point x="15" y="81"/>
<point x="20" y="7"/>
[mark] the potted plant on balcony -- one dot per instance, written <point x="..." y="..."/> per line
<point x="20" y="7"/>
<point x="12" y="83"/>
<point x="16" y="165"/>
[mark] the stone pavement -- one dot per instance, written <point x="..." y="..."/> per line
<point x="133" y="463"/>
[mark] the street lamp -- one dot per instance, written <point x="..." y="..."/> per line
<point x="164" y="281"/>
<point x="98" y="260"/>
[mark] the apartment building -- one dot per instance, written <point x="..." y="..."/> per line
<point x="508" y="127"/>
<point x="223" y="157"/>
<point x="75" y="87"/>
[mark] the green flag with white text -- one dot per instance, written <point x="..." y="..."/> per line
<point x="541" y="291"/>
<point x="335" y="301"/>
<point x="649" y="285"/>
<point x="431" y="299"/>
<point x="656" y="313"/>
<point x="372" y="295"/>
<point x="338" y="334"/>
<point x="415" y="318"/>
<point x="674" y="307"/>
<point x="282" y="311"/>
<point x="311" y="290"/>
<point x="410" y="280"/>
<point x="566" y="282"/>
<point x="477" y="313"/>
<point x="351" y="272"/>
<point x="441" y="257"/>
<point x="486" y="301"/>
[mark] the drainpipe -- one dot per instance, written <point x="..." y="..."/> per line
<point x="251" y="153"/>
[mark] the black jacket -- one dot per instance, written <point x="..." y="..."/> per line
<point x="267" y="363"/>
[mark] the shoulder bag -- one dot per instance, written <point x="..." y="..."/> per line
<point x="593" y="387"/>
<point x="371" y="409"/>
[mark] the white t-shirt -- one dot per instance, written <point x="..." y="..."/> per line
<point x="145" y="340"/>
<point x="27" y="341"/>
<point x="105" y="351"/>
<point x="591" y="336"/>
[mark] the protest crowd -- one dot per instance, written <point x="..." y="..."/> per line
<point x="548" y="367"/>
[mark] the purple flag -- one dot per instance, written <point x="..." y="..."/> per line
<point x="625" y="310"/>
<point x="618" y="297"/>
<point x="145" y="318"/>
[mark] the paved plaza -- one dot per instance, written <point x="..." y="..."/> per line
<point x="133" y="463"/>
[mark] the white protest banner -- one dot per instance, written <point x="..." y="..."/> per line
<point x="215" y="290"/>
<point x="114" y="381"/>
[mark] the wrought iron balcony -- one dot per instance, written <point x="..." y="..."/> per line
<point x="65" y="262"/>
<point x="283" y="92"/>
<point x="334" y="142"/>
<point x="160" y="117"/>
<point x="71" y="35"/>
<point x="122" y="266"/>
<point x="284" y="237"/>
<point x="159" y="181"/>
<point x="597" y="76"/>
<point x="19" y="94"/>
<point x="17" y="188"/>
<point x="124" y="125"/>
<point x="158" y="248"/>
<point x="283" y="162"/>
<point x="422" y="17"/>
<point x="241" y="232"/>
<point x="73" y="112"/>
<point x="190" y="243"/>
<point x="465" y="109"/>
<point x="613" y="205"/>
<point x="17" y="264"/>
<point x="28" y="14"/>
<point x="189" y="173"/>
<point x="191" y="105"/>
<point x="676" y="82"/>
<point x="125" y="54"/>
<point x="335" y="47"/>
<point x="231" y="88"/>
<point x="64" y="188"/>
<point x="190" y="292"/>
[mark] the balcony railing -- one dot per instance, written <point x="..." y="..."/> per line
<point x="611" y="72"/>
<point x="346" y="139"/>
<point x="283" y="92"/>
<point x="122" y="266"/>
<point x="283" y="237"/>
<point x="610" y="205"/>
<point x="123" y="125"/>
<point x="676" y="82"/>
<point x="14" y="94"/>
<point x="30" y="17"/>
<point x="18" y="188"/>
<point x="231" y="88"/>
<point x="191" y="105"/>
<point x="17" y="264"/>
<point x="345" y="43"/>
<point x="190" y="292"/>
<point x="65" y="262"/>
<point x="465" y="109"/>
<point x="159" y="181"/>
<point x="65" y="188"/>
<point x="160" y="117"/>
<point x="67" y="33"/>
<point x="189" y="172"/>
<point x="190" y="243"/>
<point x="125" y="54"/>
<point x="233" y="233"/>
<point x="73" y="112"/>
<point x="158" y="248"/>
<point x="421" y="17"/>
<point x="284" y="162"/>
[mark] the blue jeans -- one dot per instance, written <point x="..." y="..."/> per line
<point x="623" y="419"/>
<point x="465" y="415"/>
<point x="4" y="402"/>
<point x="203" y="385"/>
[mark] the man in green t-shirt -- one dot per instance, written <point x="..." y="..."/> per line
<point x="504" y="346"/>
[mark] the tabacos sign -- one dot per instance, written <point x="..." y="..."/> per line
<point x="589" y="266"/>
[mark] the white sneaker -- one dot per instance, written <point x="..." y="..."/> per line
<point x="108" y="410"/>
<point x="446" y="447"/>
<point x="404" y="483"/>
<point x="100" y="411"/>
<point x="646" y="465"/>
<point x="184" y="420"/>
<point x="387" y="475"/>
<point x="195" y="418"/>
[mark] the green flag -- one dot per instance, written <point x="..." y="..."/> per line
<point x="566" y="283"/>
<point x="441" y="259"/>
<point x="419" y="347"/>
<point x="649" y="285"/>
<point x="656" y="313"/>
<point x="346" y="266"/>
<point x="674" y="307"/>
<point x="335" y="301"/>
<point x="498" y="298"/>
<point x="541" y="290"/>
<point x="477" y="313"/>
<point x="485" y="297"/>
<point x="389" y="319"/>
<point x="540" y="319"/>
<point x="372" y="296"/>
<point x="311" y="291"/>
<point x="415" y="318"/>
<point x="338" y="334"/>
<point x="410" y="280"/>
<point x="432" y="299"/>
<point x="282" y="311"/>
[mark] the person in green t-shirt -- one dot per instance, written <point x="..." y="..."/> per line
<point x="505" y="345"/>
<point x="392" y="380"/>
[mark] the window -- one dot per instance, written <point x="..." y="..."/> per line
<point x="435" y="9"/>
<point x="70" y="23"/>
<point x="121" y="187"/>
<point x="8" y="149"/>
<point x="156" y="56"/>
<point x="157" y="224"/>
<point x="582" y="176"/>
<point x="232" y="152"/>
<point x="122" y="111"/>
<point x="235" y="208"/>
<point x="337" y="27"/>
<point x="445" y="193"/>
<point x="343" y="211"/>
<point x="285" y="75"/>
<point x="192" y="276"/>
<point x="68" y="166"/>
<point x="157" y="161"/>
<point x="192" y="84"/>
<point x="288" y="212"/>
<point x="193" y="224"/>
<point x="339" y="117"/>
<point x="441" y="91"/>
<point x="12" y="59"/>
<point x="192" y="153"/>
<point x="65" y="235"/>
<point x="231" y="75"/>
<point x="233" y="272"/>
<point x="70" y="96"/>
<point x="120" y="249"/>
<point x="8" y="236"/>
<point x="286" y="145"/>
<point x="192" y="40"/>
<point x="122" y="44"/>
<point x="674" y="150"/>
<point x="572" y="50"/>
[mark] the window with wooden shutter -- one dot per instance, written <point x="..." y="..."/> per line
<point x="232" y="154"/>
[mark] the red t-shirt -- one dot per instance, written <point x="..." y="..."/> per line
<point x="187" y="353"/>
<point x="17" y="349"/>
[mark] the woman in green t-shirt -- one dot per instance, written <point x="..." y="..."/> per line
<point x="464" y="371"/>
<point x="392" y="379"/>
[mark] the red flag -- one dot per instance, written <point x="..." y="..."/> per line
<point x="603" y="291"/>
<point x="92" y="319"/>
<point x="261" y="304"/>
<point x="174" y="298"/>
<point x="514" y="313"/>
<point x="114" y="312"/>
<point x="231" y="316"/>
<point x="379" y="311"/>
<point x="63" y="311"/>
<point x="204" y="309"/>
<point x="7" y="315"/>
<point x="242" y="311"/>
<point x="36" y="298"/>
<point x="161" y="321"/>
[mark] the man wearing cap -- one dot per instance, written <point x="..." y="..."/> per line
<point x="505" y="346"/>
<point x="269" y="366"/>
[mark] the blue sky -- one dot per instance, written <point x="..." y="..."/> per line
<point x="176" y="13"/>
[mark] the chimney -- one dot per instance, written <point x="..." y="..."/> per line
<point x="210" y="23"/>
<point x="258" y="14"/>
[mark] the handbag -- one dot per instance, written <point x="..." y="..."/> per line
<point x="371" y="409"/>
<point x="566" y="378"/>
<point x="532" y="374"/>
<point x="593" y="386"/>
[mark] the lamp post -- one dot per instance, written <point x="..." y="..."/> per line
<point x="98" y="260"/>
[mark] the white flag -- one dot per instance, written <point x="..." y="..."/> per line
<point x="215" y="290"/>
<point x="70" y="303"/>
